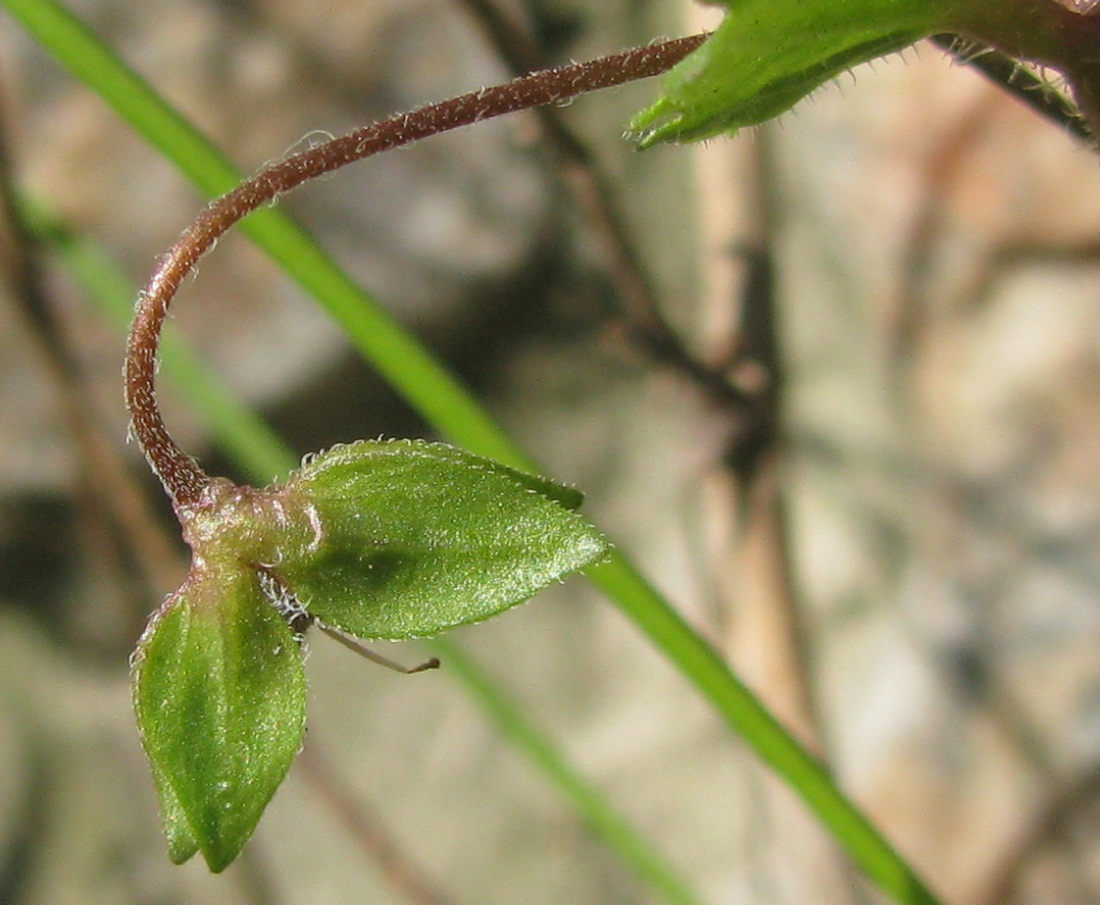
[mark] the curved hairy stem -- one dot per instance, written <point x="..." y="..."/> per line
<point x="181" y="475"/>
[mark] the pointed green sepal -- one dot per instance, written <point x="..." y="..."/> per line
<point x="769" y="54"/>
<point x="182" y="844"/>
<point x="219" y="692"/>
<point x="412" y="538"/>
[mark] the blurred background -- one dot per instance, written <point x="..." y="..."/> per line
<point x="845" y="415"/>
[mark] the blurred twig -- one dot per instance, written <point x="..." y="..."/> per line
<point x="970" y="664"/>
<point x="255" y="877"/>
<point x="368" y="830"/>
<point x="754" y="460"/>
<point x="767" y="634"/>
<point x="592" y="193"/>
<point x="22" y="851"/>
<point x="911" y="308"/>
<point x="115" y="499"/>
<point x="1051" y="823"/>
<point x="601" y="816"/>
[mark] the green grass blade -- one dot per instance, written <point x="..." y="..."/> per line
<point x="754" y="722"/>
<point x="454" y="412"/>
<point x="606" y="822"/>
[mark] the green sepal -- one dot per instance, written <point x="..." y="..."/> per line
<point x="412" y="538"/>
<point x="182" y="844"/>
<point x="768" y="54"/>
<point x="219" y="692"/>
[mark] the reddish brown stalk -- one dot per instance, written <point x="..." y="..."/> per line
<point x="181" y="475"/>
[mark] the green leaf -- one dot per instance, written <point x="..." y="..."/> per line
<point x="219" y="692"/>
<point x="412" y="538"/>
<point x="769" y="54"/>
